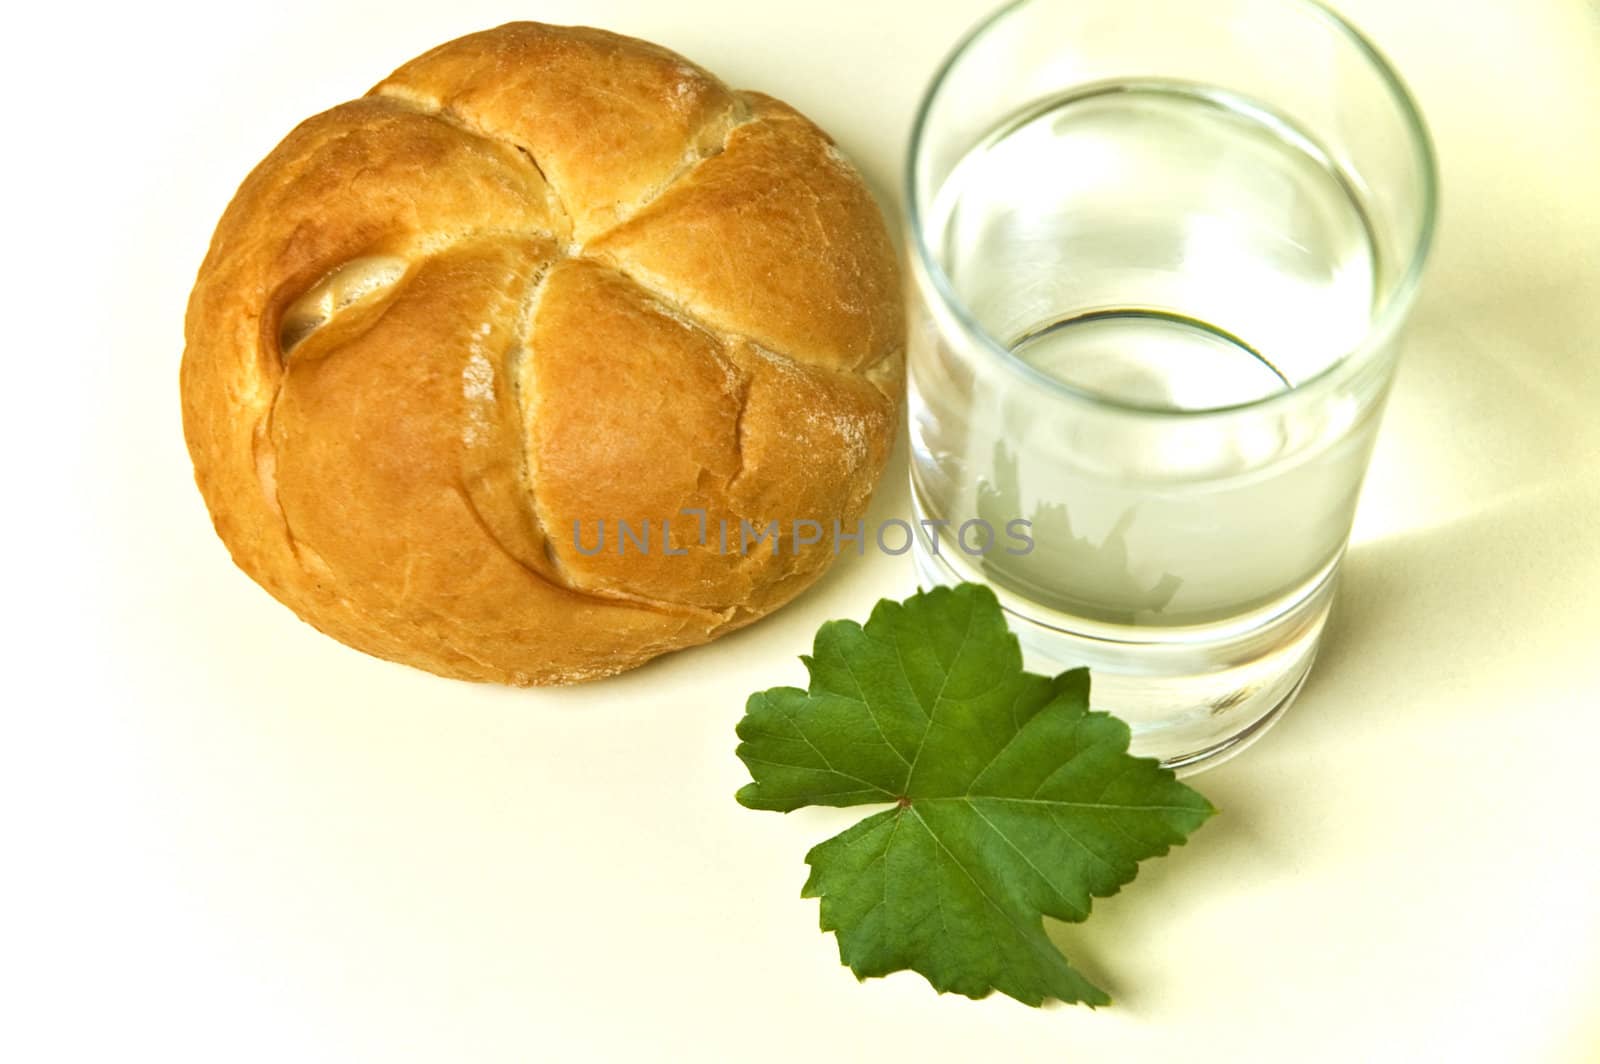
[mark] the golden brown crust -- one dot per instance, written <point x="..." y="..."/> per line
<point x="779" y="192"/>
<point x="540" y="278"/>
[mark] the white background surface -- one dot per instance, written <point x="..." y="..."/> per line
<point x="227" y="838"/>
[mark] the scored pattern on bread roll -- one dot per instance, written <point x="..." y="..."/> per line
<point x="538" y="279"/>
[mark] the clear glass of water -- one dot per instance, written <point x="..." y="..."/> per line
<point x="1161" y="252"/>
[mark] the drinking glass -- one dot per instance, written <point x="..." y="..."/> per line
<point x="1161" y="252"/>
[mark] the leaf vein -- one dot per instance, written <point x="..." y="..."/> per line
<point x="1082" y="912"/>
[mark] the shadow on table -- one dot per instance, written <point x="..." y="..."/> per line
<point x="1455" y="613"/>
<point x="1493" y="447"/>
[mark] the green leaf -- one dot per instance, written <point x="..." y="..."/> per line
<point x="1009" y="800"/>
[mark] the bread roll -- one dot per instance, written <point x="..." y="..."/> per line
<point x="540" y="278"/>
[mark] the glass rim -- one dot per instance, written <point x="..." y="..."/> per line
<point x="1383" y="325"/>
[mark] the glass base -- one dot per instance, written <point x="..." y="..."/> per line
<point x="1193" y="696"/>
